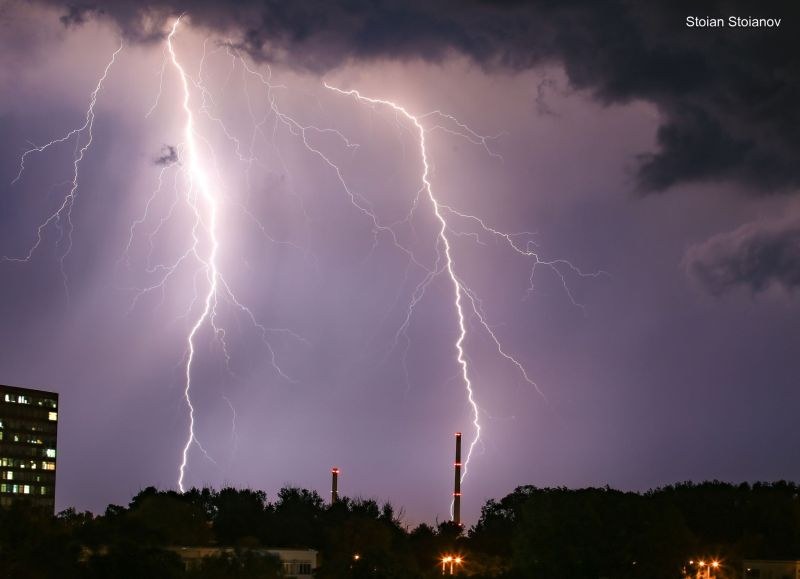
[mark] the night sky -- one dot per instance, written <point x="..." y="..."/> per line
<point x="654" y="167"/>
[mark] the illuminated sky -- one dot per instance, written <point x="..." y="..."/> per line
<point x="621" y="141"/>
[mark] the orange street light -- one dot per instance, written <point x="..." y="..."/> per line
<point x="705" y="568"/>
<point x="445" y="560"/>
<point x="452" y="561"/>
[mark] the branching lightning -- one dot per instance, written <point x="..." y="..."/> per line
<point x="64" y="210"/>
<point x="462" y="293"/>
<point x="199" y="192"/>
<point x="458" y="287"/>
<point x="197" y="185"/>
<point x="204" y="200"/>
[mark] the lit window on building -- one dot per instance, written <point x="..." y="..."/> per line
<point x="28" y="424"/>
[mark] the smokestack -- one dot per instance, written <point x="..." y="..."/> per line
<point x="334" y="485"/>
<point x="457" y="484"/>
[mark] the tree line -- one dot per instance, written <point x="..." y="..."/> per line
<point x="546" y="533"/>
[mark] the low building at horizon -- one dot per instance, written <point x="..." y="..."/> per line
<point x="770" y="569"/>
<point x="297" y="563"/>
<point x="28" y="437"/>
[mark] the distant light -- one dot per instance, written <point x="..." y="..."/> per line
<point x="356" y="557"/>
<point x="458" y="560"/>
<point x="715" y="564"/>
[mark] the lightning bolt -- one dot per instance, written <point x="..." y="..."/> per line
<point x="204" y="200"/>
<point x="201" y="198"/>
<point x="197" y="181"/>
<point x="461" y="293"/>
<point x="457" y="286"/>
<point x="64" y="210"/>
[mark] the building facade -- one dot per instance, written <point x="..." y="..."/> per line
<point x="760" y="569"/>
<point x="297" y="563"/>
<point x="28" y="434"/>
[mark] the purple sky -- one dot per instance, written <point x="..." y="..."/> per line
<point x="678" y="364"/>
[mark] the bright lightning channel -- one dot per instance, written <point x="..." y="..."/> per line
<point x="458" y="288"/>
<point x="199" y="191"/>
<point x="461" y="292"/>
<point x="204" y="200"/>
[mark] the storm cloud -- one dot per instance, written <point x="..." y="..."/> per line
<point x="755" y="256"/>
<point x="728" y="96"/>
<point x="168" y="156"/>
<point x="630" y="377"/>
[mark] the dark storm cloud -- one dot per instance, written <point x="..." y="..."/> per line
<point x="728" y="96"/>
<point x="168" y="156"/>
<point x="755" y="256"/>
<point x="77" y="14"/>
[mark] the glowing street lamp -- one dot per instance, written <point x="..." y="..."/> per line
<point x="445" y="560"/>
<point x="452" y="561"/>
<point x="705" y="568"/>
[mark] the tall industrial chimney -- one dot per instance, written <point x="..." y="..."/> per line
<point x="334" y="485"/>
<point x="457" y="484"/>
